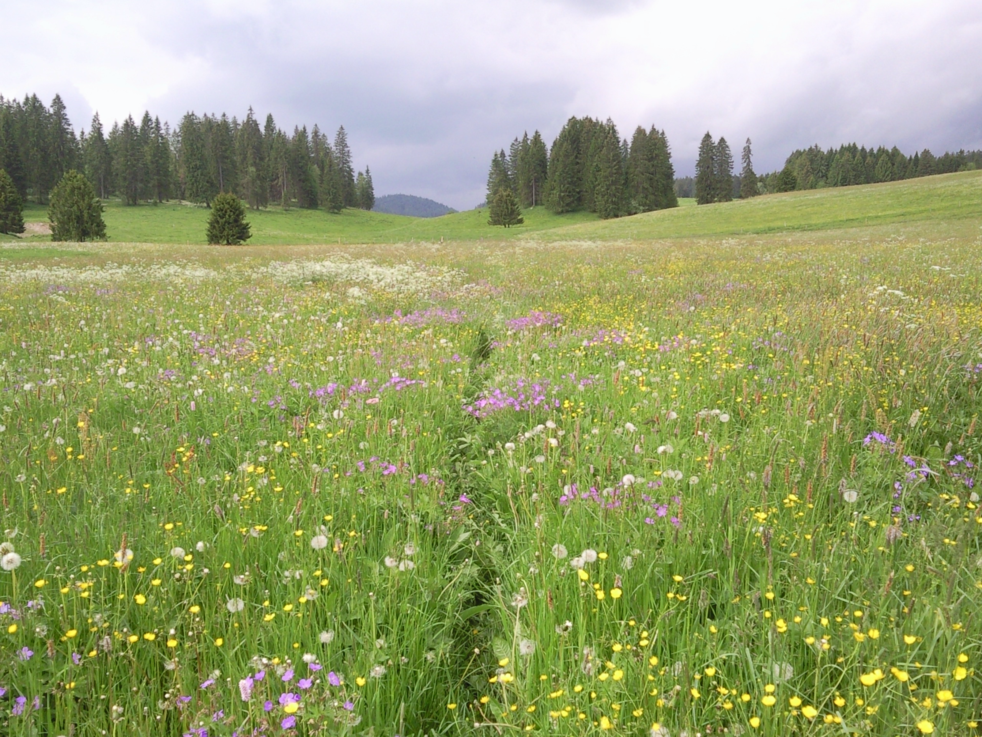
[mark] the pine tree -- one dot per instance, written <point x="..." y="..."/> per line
<point x="609" y="177"/>
<point x="706" y="169"/>
<point x="498" y="177"/>
<point x="748" y="180"/>
<point x="11" y="206"/>
<point x="227" y="225"/>
<point x="346" y="170"/>
<point x="251" y="160"/>
<point x="62" y="143"/>
<point x="366" y="190"/>
<point x="130" y="162"/>
<point x="536" y="168"/>
<point x="503" y="209"/>
<point x="198" y="184"/>
<point x="159" y="167"/>
<point x="302" y="169"/>
<point x="664" y="171"/>
<point x="10" y="152"/>
<point x="75" y="212"/>
<point x="98" y="162"/>
<point x="724" y="171"/>
<point x="332" y="191"/>
<point x="641" y="173"/>
<point x="35" y="132"/>
<point x="220" y="142"/>
<point x="565" y="174"/>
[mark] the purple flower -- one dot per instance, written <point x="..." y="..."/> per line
<point x="19" y="703"/>
<point x="305" y="683"/>
<point x="349" y="706"/>
<point x="288" y="698"/>
<point x="220" y="714"/>
<point x="268" y="706"/>
<point x="259" y="676"/>
<point x="315" y="666"/>
<point x="76" y="658"/>
<point x="207" y="683"/>
<point x="288" y="722"/>
<point x="333" y="679"/>
<point x="25" y="653"/>
<point x="288" y="676"/>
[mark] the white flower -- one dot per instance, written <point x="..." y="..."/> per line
<point x="576" y="563"/>
<point x="200" y="546"/>
<point x="724" y="417"/>
<point x="409" y="549"/>
<point x="627" y="563"/>
<point x="693" y="480"/>
<point x="309" y="658"/>
<point x="782" y="672"/>
<point x="665" y="449"/>
<point x="377" y="671"/>
<point x="589" y="555"/>
<point x="510" y="447"/>
<point x="559" y="551"/>
<point x="10" y="561"/>
<point x="240" y="579"/>
<point x="540" y="459"/>
<point x="327" y="637"/>
<point x="123" y="556"/>
<point x="390" y="562"/>
<point x="628" y="480"/>
<point x="526" y="647"/>
<point x="337" y="414"/>
<point x="520" y="599"/>
<point x="850" y="496"/>
<point x="671" y="416"/>
<point x="318" y="542"/>
<point x="235" y="605"/>
<point x="406" y="565"/>
<point x="973" y="497"/>
<point x="629" y="427"/>
<point x="177" y="552"/>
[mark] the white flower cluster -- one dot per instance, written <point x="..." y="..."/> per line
<point x="400" y="278"/>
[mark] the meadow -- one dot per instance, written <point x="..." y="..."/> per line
<point x="637" y="478"/>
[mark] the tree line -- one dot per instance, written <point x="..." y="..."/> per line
<point x="588" y="167"/>
<point x="812" y="168"/>
<point x="202" y="157"/>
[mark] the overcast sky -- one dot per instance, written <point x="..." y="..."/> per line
<point x="428" y="89"/>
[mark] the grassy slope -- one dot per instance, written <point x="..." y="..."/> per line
<point x="947" y="197"/>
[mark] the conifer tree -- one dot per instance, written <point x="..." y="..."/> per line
<point x="332" y="191"/>
<point x="536" y="169"/>
<point x="35" y="152"/>
<point x="227" y="224"/>
<point x="130" y="162"/>
<point x="98" y="162"/>
<point x="198" y="183"/>
<point x="251" y="160"/>
<point x="664" y="171"/>
<point x="565" y="175"/>
<point x="498" y="177"/>
<point x="724" y="171"/>
<point x="10" y="152"/>
<point x="346" y="171"/>
<point x="75" y="212"/>
<point x="366" y="190"/>
<point x="748" y="180"/>
<point x="608" y="195"/>
<point x="11" y="206"/>
<point x="706" y="171"/>
<point x="503" y="209"/>
<point x="62" y="143"/>
<point x="302" y="170"/>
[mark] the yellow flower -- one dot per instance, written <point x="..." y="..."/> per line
<point x="945" y="696"/>
<point x="605" y="723"/>
<point x="71" y="633"/>
<point x="615" y="593"/>
<point x="219" y="642"/>
<point x="874" y="634"/>
<point x="900" y="675"/>
<point x="959" y="674"/>
<point x="149" y="636"/>
<point x="451" y="706"/>
<point x="172" y="642"/>
<point x="360" y="680"/>
<point x="11" y="629"/>
<point x="768" y="700"/>
<point x="925" y="726"/>
<point x="794" y="701"/>
<point x="810" y="712"/>
<point x="133" y="639"/>
<point x="755" y="722"/>
<point x="910" y="639"/>
<point x="40" y="583"/>
<point x="694" y="692"/>
<point x="584" y="576"/>
<point x="140" y="599"/>
<point x="291" y="707"/>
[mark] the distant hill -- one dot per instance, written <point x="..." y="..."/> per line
<point x="407" y="204"/>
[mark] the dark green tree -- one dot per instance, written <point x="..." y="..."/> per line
<point x="158" y="156"/>
<point x="664" y="171"/>
<point x="302" y="169"/>
<point x="252" y="165"/>
<point x="130" y="162"/>
<point x="366" y="190"/>
<point x="11" y="206"/>
<point x="748" y="179"/>
<point x="706" y="169"/>
<point x="98" y="162"/>
<point x="535" y="169"/>
<point x="503" y="209"/>
<point x="609" y="178"/>
<point x="227" y="225"/>
<point x="10" y="151"/>
<point x="331" y="189"/>
<point x="565" y="174"/>
<point x="346" y="171"/>
<point x="498" y="176"/>
<point x="75" y="211"/>
<point x="35" y="150"/>
<point x="724" y="171"/>
<point x="62" y="143"/>
<point x="199" y="186"/>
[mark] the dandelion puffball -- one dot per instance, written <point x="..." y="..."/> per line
<point x="559" y="551"/>
<point x="850" y="496"/>
<point x="10" y="561"/>
<point x="235" y="605"/>
<point x="318" y="542"/>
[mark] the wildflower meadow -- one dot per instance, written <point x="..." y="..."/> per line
<point x="645" y="487"/>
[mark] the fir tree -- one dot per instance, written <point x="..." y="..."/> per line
<point x="498" y="177"/>
<point x="227" y="225"/>
<point x="332" y="191"/>
<point x="63" y="145"/>
<point x="198" y="183"/>
<point x="11" y="206"/>
<point x="35" y="152"/>
<point x="302" y="170"/>
<point x="503" y="209"/>
<point x="748" y="180"/>
<point x="75" y="212"/>
<point x="724" y="172"/>
<point x="346" y="171"/>
<point x="535" y="170"/>
<point x="366" y="190"/>
<point x="98" y="162"/>
<point x="706" y="169"/>
<point x="10" y="152"/>
<point x="608" y="194"/>
<point x="129" y="161"/>
<point x="251" y="160"/>
<point x="565" y="175"/>
<point x="664" y="171"/>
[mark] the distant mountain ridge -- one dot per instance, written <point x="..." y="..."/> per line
<point x="408" y="204"/>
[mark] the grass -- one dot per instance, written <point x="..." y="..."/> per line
<point x="719" y="484"/>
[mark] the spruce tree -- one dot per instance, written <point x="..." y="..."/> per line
<point x="748" y="180"/>
<point x="498" y="177"/>
<point x="198" y="183"/>
<point x="302" y="170"/>
<point x="98" y="162"/>
<point x="11" y="206"/>
<point x="130" y="162"/>
<point x="10" y="151"/>
<point x="724" y="171"/>
<point x="346" y="171"/>
<point x="608" y="193"/>
<point x="665" y="195"/>
<point x="504" y="210"/>
<point x="35" y="132"/>
<point x="706" y="171"/>
<point x="227" y="225"/>
<point x="332" y="191"/>
<point x="565" y="175"/>
<point x="251" y="163"/>
<point x="75" y="212"/>
<point x="366" y="190"/>
<point x="536" y="170"/>
<point x="62" y="143"/>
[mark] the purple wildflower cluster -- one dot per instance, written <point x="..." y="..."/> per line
<point x="881" y="440"/>
<point x="522" y="396"/>
<point x="535" y="319"/>
<point x="433" y="315"/>
<point x="778" y="341"/>
<point x="363" y="386"/>
<point x="625" y="498"/>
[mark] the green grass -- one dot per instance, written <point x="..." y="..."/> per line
<point x="719" y="484"/>
<point x="943" y="198"/>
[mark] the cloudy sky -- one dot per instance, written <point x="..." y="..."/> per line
<point x="428" y="89"/>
